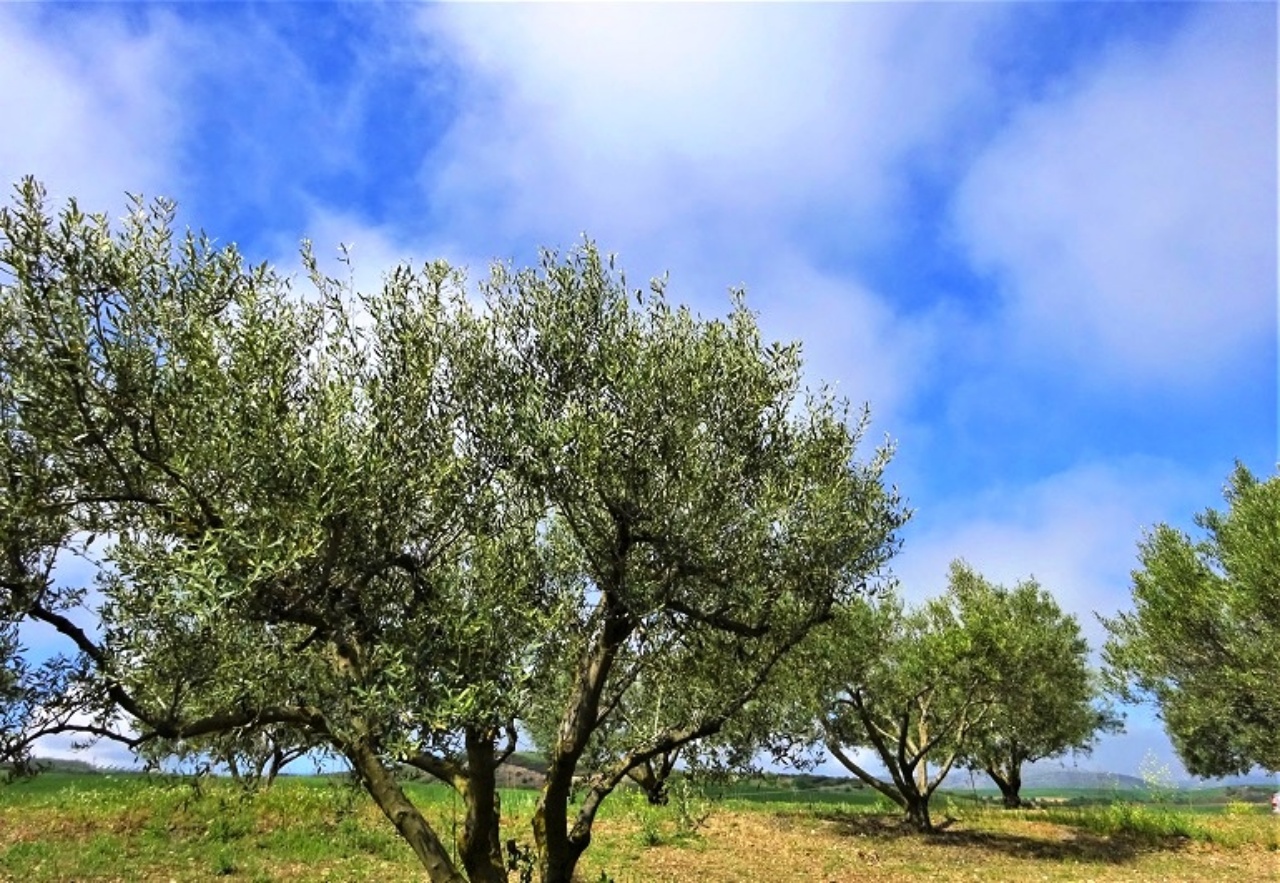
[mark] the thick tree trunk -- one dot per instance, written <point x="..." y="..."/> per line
<point x="234" y="769"/>
<point x="904" y="790"/>
<point x="389" y="796"/>
<point x="276" y="765"/>
<point x="918" y="812"/>
<point x="1010" y="784"/>
<point x="558" y="850"/>
<point x="481" y="845"/>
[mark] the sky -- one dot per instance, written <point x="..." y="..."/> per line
<point x="1038" y="240"/>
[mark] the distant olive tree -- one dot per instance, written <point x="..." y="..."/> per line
<point x="1048" y="700"/>
<point x="982" y="676"/>
<point x="909" y="686"/>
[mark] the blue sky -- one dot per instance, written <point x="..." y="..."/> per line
<point x="1040" y="240"/>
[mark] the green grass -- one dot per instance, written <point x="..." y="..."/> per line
<point x="68" y="826"/>
<point x="1144" y="822"/>
<point x="213" y="829"/>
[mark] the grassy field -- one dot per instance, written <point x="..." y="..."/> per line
<point x="126" y="827"/>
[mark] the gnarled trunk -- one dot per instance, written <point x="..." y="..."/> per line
<point x="917" y="807"/>
<point x="390" y="797"/>
<point x="481" y="843"/>
<point x="1010" y="784"/>
<point x="559" y="847"/>
<point x="557" y="850"/>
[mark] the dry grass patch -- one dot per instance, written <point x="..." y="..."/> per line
<point x="806" y="845"/>
<point x="321" y="831"/>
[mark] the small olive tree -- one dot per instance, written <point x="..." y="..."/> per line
<point x="1049" y="700"/>
<point x="983" y="676"/>
<point x="909" y="686"/>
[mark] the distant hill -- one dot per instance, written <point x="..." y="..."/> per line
<point x="522" y="770"/>
<point x="1082" y="779"/>
<point x="528" y="760"/>
<point x="1094" y="780"/>
<point x="63" y="765"/>
<point x="1257" y="780"/>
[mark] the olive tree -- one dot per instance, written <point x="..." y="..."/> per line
<point x="11" y="679"/>
<point x="909" y="686"/>
<point x="302" y="535"/>
<point x="1048" y="699"/>
<point x="711" y="515"/>
<point x="1202" y="641"/>
<point x="393" y="522"/>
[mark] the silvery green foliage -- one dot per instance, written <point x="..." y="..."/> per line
<point x="393" y="523"/>
<point x="1203" y="638"/>
<point x="911" y="686"/>
<point x="706" y="511"/>
<point x="1048" y="699"/>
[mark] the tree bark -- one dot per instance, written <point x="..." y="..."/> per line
<point x="1010" y="784"/>
<point x="918" y="813"/>
<point x="558" y="847"/>
<point x="389" y="796"/>
<point x="481" y="845"/>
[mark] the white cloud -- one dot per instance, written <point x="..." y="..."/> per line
<point x="88" y="112"/>
<point x="851" y="338"/>
<point x="1133" y="215"/>
<point x="1076" y="531"/>
<point x="694" y="139"/>
<point x="632" y="119"/>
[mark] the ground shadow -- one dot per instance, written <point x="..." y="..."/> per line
<point x="1070" y="843"/>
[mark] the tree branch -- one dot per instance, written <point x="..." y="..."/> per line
<point x="447" y="771"/>
<point x="883" y="787"/>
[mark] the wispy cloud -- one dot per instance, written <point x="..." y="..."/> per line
<point x="633" y="120"/>
<point x="1075" y="531"/>
<point x="1131" y="217"/>
<point x="84" y="113"/>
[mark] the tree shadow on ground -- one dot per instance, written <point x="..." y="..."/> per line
<point x="1061" y="843"/>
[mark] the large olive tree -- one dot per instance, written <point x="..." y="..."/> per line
<point x="399" y="522"/>
<point x="1202" y="641"/>
<point x="710" y="515"/>
<point x="300" y="533"/>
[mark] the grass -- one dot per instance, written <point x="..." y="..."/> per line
<point x="65" y="826"/>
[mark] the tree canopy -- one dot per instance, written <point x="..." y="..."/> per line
<point x="1048" y="699"/>
<point x="1203" y="638"/>
<point x="908" y="685"/>
<point x="396" y="523"/>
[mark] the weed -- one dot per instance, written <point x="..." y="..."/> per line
<point x="223" y="864"/>
<point x="690" y="806"/>
<point x="520" y="860"/>
<point x="650" y="826"/>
